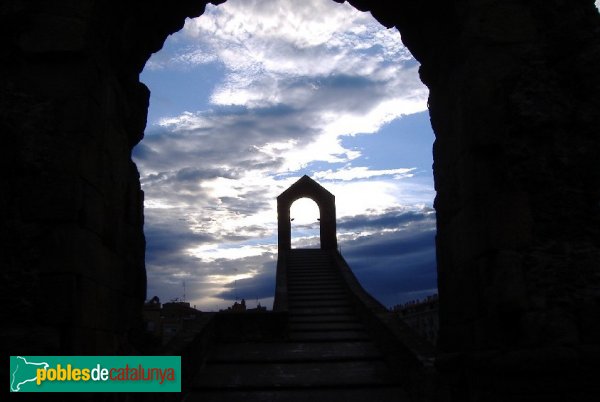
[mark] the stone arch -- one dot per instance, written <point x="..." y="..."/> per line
<point x="515" y="166"/>
<point x="306" y="187"/>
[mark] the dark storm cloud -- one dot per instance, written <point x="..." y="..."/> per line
<point x="246" y="203"/>
<point x="166" y="241"/>
<point x="196" y="174"/>
<point x="216" y="139"/>
<point x="405" y="242"/>
<point x="261" y="286"/>
<point x="393" y="266"/>
<point x="166" y="278"/>
<point x="254" y="230"/>
<point x="272" y="164"/>
<point x="143" y="152"/>
<point x="226" y="141"/>
<point x="390" y="219"/>
<point x="187" y="178"/>
<point x="345" y="93"/>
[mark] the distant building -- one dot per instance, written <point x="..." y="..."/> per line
<point x="165" y="321"/>
<point x="258" y="308"/>
<point x="151" y="316"/>
<point x="238" y="307"/>
<point x="241" y="307"/>
<point x="422" y="316"/>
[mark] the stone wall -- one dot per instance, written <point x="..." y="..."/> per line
<point x="72" y="240"/>
<point x="516" y="121"/>
<point x="514" y="105"/>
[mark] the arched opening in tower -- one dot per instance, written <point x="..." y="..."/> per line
<point x="251" y="96"/>
<point x="305" y="224"/>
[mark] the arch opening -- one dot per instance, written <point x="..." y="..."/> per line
<point x="305" y="218"/>
<point x="331" y="149"/>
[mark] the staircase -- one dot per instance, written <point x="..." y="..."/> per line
<point x="328" y="354"/>
<point x="319" y="307"/>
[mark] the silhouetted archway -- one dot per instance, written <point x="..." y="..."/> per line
<point x="306" y="187"/>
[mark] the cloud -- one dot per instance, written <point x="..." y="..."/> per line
<point x="166" y="239"/>
<point x="211" y="279"/>
<point x="300" y="25"/>
<point x="392" y="254"/>
<point x="261" y="286"/>
<point x="392" y="219"/>
<point x="293" y="86"/>
<point x="394" y="265"/>
<point x="278" y="52"/>
<point x="342" y="75"/>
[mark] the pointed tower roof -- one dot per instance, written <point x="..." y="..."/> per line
<point x="305" y="187"/>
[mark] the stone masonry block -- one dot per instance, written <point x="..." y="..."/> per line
<point x="81" y="252"/>
<point x="51" y="199"/>
<point x="54" y="34"/>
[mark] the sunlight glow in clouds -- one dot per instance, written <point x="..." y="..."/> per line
<point x="285" y="94"/>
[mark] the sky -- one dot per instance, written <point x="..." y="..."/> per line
<point x="250" y="97"/>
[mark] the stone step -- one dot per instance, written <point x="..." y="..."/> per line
<point x="375" y="394"/>
<point x="318" y="257"/>
<point x="320" y="310"/>
<point x="309" y="263"/>
<point x="316" y="282"/>
<point x="294" y="351"/>
<point x="316" y="286"/>
<point x="331" y="318"/>
<point x="313" y="279"/>
<point x="318" y="261"/>
<point x="296" y="375"/>
<point x="300" y="274"/>
<point x="305" y="287"/>
<point x="317" y="296"/>
<point x="321" y="275"/>
<point x="311" y="271"/>
<point x="333" y="336"/>
<point x="315" y="290"/>
<point x="294" y="303"/>
<point x="326" y="326"/>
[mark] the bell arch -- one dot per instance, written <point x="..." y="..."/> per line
<point x="306" y="187"/>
